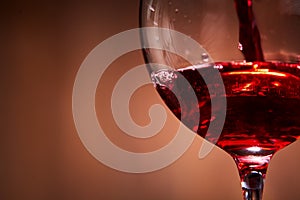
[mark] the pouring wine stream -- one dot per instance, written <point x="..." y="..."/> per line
<point x="249" y="36"/>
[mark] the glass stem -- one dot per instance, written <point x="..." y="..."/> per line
<point x="252" y="170"/>
<point x="252" y="185"/>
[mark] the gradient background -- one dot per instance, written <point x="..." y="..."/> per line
<point x="42" y="46"/>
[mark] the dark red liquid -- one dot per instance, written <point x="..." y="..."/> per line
<point x="263" y="104"/>
<point x="249" y="36"/>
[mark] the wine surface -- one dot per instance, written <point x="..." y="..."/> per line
<point x="263" y="104"/>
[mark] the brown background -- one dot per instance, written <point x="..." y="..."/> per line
<point x="42" y="46"/>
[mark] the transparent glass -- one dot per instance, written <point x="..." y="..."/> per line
<point x="253" y="46"/>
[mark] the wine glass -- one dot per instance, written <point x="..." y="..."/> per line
<point x="253" y="45"/>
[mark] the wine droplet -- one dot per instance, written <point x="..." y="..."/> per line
<point x="240" y="47"/>
<point x="151" y="8"/>
<point x="205" y="57"/>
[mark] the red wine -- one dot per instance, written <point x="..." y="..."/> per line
<point x="263" y="104"/>
<point x="249" y="35"/>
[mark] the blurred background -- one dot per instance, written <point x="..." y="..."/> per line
<point x="43" y="44"/>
